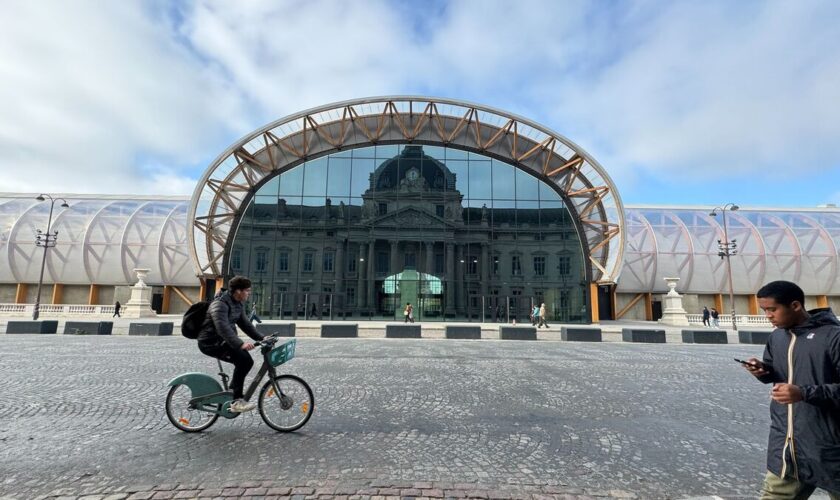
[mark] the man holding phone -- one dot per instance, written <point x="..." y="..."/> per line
<point x="802" y="361"/>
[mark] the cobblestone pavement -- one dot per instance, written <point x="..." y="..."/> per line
<point x="85" y="416"/>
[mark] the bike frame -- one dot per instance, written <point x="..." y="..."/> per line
<point x="219" y="398"/>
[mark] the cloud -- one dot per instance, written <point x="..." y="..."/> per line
<point x="140" y="97"/>
<point x="104" y="87"/>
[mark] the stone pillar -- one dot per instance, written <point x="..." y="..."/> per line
<point x="371" y="273"/>
<point x="485" y="266"/>
<point x="430" y="258"/>
<point x="361" y="271"/>
<point x="450" y="278"/>
<point x="460" y="265"/>
<point x="395" y="258"/>
<point x="673" y="313"/>
<point x="140" y="304"/>
<point x="339" y="267"/>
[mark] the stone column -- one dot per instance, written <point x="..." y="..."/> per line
<point x="395" y="258"/>
<point x="140" y="304"/>
<point x="450" y="278"/>
<point x="485" y="266"/>
<point x="361" y="270"/>
<point x="339" y="266"/>
<point x="460" y="265"/>
<point x="371" y="273"/>
<point x="430" y="258"/>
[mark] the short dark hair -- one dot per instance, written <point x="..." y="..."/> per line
<point x="783" y="292"/>
<point x="239" y="283"/>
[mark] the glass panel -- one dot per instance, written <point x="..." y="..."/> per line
<point x="338" y="177"/>
<point x="360" y="176"/>
<point x="527" y="186"/>
<point x="480" y="180"/>
<point x="315" y="177"/>
<point x="291" y="182"/>
<point x="461" y="171"/>
<point x="504" y="181"/>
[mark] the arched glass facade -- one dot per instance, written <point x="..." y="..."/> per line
<point x="362" y="232"/>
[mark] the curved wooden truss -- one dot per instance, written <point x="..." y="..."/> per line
<point x="230" y="181"/>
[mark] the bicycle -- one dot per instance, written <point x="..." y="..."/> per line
<point x="196" y="400"/>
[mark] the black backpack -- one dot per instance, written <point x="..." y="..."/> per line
<point x="194" y="319"/>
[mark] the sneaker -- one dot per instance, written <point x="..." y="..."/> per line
<point x="241" y="406"/>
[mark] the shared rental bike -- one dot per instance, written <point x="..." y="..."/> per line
<point x="196" y="400"/>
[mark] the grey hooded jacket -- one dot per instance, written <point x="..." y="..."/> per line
<point x="805" y="436"/>
<point x="223" y="316"/>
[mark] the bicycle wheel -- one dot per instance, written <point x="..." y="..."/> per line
<point x="180" y="414"/>
<point x="290" y="412"/>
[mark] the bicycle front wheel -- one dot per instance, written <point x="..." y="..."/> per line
<point x="289" y="411"/>
<point x="181" y="415"/>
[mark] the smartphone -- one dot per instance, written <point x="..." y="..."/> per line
<point x="742" y="361"/>
<point x="767" y="367"/>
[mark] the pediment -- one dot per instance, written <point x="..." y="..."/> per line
<point x="410" y="217"/>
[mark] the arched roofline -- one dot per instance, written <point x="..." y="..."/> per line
<point x="230" y="181"/>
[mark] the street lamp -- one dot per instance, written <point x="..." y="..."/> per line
<point x="46" y="240"/>
<point x="726" y="249"/>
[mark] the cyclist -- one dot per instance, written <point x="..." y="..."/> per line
<point x="218" y="337"/>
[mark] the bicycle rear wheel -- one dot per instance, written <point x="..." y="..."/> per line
<point x="291" y="411"/>
<point x="180" y="414"/>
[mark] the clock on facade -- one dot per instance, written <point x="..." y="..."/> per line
<point x="412" y="174"/>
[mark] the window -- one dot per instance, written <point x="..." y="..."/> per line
<point x="564" y="267"/>
<point x="329" y="259"/>
<point x="236" y="259"/>
<point x="351" y="295"/>
<point x="410" y="260"/>
<point x="351" y="263"/>
<point x="283" y="262"/>
<point x="439" y="210"/>
<point x="515" y="266"/>
<point x="495" y="265"/>
<point x="539" y="265"/>
<point x="472" y="265"/>
<point x="382" y="262"/>
<point x="383" y="208"/>
<point x="308" y="257"/>
<point x="439" y="263"/>
<point x="260" y="263"/>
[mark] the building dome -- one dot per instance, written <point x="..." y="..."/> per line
<point x="411" y="165"/>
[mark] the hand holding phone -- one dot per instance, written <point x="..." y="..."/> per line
<point x="754" y="366"/>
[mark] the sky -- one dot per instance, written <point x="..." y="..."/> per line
<point x="682" y="102"/>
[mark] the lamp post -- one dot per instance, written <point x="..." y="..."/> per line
<point x="46" y="240"/>
<point x="726" y="249"/>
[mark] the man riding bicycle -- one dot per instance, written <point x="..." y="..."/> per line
<point x="218" y="337"/>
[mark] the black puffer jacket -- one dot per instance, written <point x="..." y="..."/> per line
<point x="223" y="316"/>
<point x="807" y="442"/>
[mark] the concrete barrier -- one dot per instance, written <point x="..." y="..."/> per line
<point x="41" y="326"/>
<point x="580" y="334"/>
<point x="88" y="327"/>
<point x="753" y="336"/>
<point x="284" y="329"/>
<point x="517" y="333"/>
<point x="339" y="330"/>
<point x="463" y="332"/>
<point x="151" y="329"/>
<point x="402" y="331"/>
<point x="643" y="335"/>
<point x="704" y="337"/>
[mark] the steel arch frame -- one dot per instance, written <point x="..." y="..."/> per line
<point x="227" y="185"/>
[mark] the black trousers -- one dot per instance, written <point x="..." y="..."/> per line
<point x="239" y="358"/>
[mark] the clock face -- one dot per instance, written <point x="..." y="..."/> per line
<point x="412" y="174"/>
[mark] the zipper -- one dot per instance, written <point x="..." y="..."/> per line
<point x="789" y="435"/>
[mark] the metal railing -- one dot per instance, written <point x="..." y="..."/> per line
<point x="726" y="319"/>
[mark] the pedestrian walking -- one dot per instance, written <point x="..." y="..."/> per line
<point x="498" y="313"/>
<point x="715" y="318"/>
<point x="117" y="307"/>
<point x="535" y="315"/>
<point x="408" y="312"/>
<point x="313" y="311"/>
<point x="706" y="316"/>
<point x="253" y="317"/>
<point x="802" y="361"/>
<point x="543" y="316"/>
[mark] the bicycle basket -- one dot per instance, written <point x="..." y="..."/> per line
<point x="282" y="353"/>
